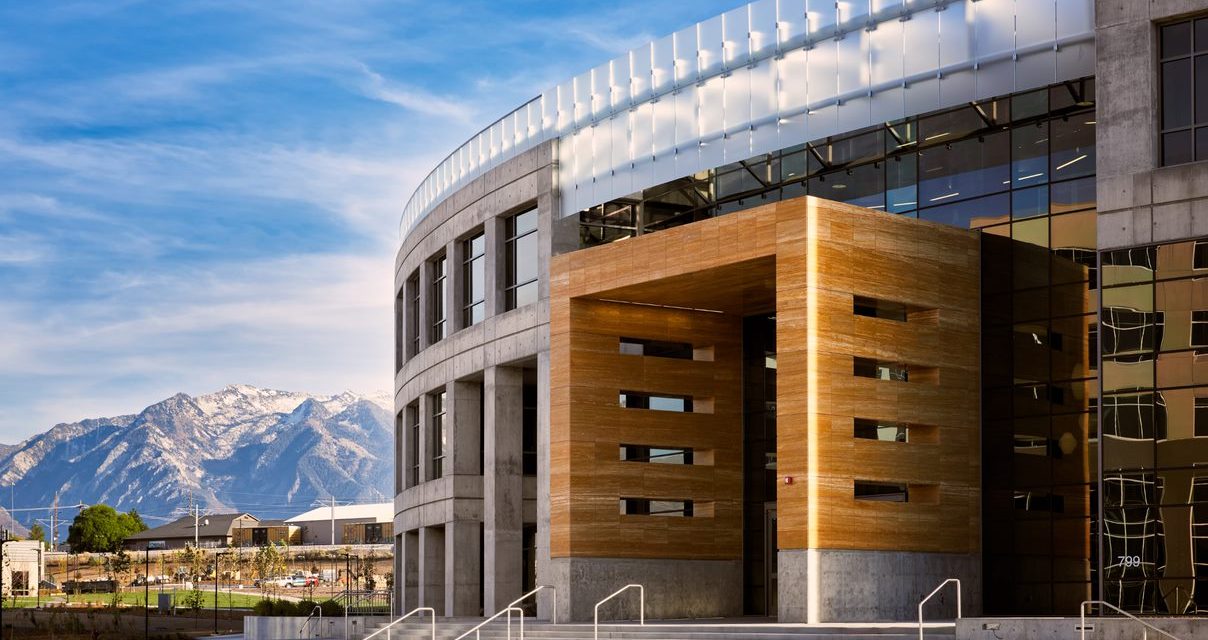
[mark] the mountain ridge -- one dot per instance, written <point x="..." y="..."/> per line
<point x="269" y="452"/>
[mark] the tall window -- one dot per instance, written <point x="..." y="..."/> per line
<point x="400" y="424"/>
<point x="474" y="277"/>
<point x="440" y="280"/>
<point x="521" y="248"/>
<point x="1184" y="77"/>
<point x="439" y="434"/>
<point x="413" y="445"/>
<point x="413" y="312"/>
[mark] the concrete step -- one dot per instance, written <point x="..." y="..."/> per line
<point x="694" y="630"/>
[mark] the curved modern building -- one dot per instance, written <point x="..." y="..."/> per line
<point x="803" y="309"/>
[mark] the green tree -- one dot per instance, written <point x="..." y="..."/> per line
<point x="36" y="532"/>
<point x="101" y="528"/>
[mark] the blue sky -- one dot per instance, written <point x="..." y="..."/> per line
<point x="200" y="193"/>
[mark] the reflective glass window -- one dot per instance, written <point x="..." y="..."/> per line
<point x="965" y="169"/>
<point x="439" y="434"/>
<point x="474" y="280"/>
<point x="521" y="252"/>
<point x="436" y="301"/>
<point x="1030" y="154"/>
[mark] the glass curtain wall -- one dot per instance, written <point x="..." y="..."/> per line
<point x="1155" y="428"/>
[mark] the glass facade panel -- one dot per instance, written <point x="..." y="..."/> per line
<point x="438" y="434"/>
<point x="1155" y="432"/>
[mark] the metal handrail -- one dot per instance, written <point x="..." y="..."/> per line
<point x="431" y="614"/>
<point x="641" y="607"/>
<point x="554" y="616"/>
<point x="507" y="610"/>
<point x="1144" y="632"/>
<point x="932" y="594"/>
<point x="309" y="618"/>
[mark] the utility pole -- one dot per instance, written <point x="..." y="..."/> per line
<point x="54" y="528"/>
<point x="333" y="521"/>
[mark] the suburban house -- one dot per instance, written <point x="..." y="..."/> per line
<point x="265" y="532"/>
<point x="348" y="524"/>
<point x="217" y="530"/>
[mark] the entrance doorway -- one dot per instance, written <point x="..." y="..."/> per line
<point x="770" y="554"/>
<point x="759" y="465"/>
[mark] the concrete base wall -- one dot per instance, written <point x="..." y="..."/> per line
<point x="674" y="588"/>
<point x="1067" y="628"/>
<point x="870" y="586"/>
<point x="283" y="628"/>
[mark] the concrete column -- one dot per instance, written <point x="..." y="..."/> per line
<point x="432" y="568"/>
<point x="464" y="419"/>
<point x="503" y="487"/>
<point x="425" y="440"/>
<point x="397" y="593"/>
<point x="453" y="287"/>
<point x="545" y="575"/>
<point x="410" y="574"/>
<point x="495" y="233"/>
<point x="463" y="558"/>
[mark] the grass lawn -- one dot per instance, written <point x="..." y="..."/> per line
<point x="236" y="600"/>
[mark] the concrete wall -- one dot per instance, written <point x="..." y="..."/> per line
<point x="873" y="586"/>
<point x="674" y="588"/>
<point x="1139" y="202"/>
<point x="1068" y="628"/>
<point x="286" y="628"/>
<point x="482" y="494"/>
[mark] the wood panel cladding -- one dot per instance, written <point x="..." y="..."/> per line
<point x="588" y="478"/>
<point x="805" y="260"/>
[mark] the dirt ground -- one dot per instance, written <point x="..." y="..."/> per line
<point x="97" y="624"/>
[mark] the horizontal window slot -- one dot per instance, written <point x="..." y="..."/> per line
<point x="665" y="402"/>
<point x="888" y="431"/>
<point x="661" y="508"/>
<point x="882" y="491"/>
<point x="663" y="349"/>
<point x="894" y="371"/>
<point x="890" y="310"/>
<point x="656" y="455"/>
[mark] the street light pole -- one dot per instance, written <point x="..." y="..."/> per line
<point x="147" y="592"/>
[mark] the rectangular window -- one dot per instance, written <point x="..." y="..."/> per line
<point x="521" y="250"/>
<point x="637" y="400"/>
<point x="648" y="507"/>
<point x="413" y="312"/>
<point x="1183" y="74"/>
<point x="439" y="435"/>
<point x="1129" y="330"/>
<point x="1199" y="328"/>
<point x="400" y="330"/>
<point x="884" y="309"/>
<point x="870" y="368"/>
<point x="657" y="455"/>
<point x="400" y="435"/>
<point x="413" y="445"/>
<point x="1199" y="258"/>
<point x="881" y="491"/>
<point x="1201" y="417"/>
<point x="656" y="348"/>
<point x="882" y="430"/>
<point x="440" y="282"/>
<point x="474" y="280"/>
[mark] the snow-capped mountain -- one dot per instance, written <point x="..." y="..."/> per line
<point x="270" y="453"/>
